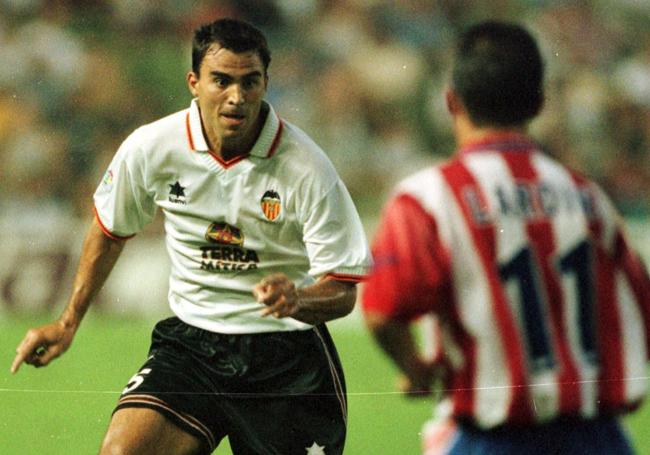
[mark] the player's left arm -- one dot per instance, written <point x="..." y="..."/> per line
<point x="323" y="301"/>
<point x="628" y="260"/>
<point x="636" y="273"/>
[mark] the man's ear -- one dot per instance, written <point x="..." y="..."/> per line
<point x="454" y="105"/>
<point x="192" y="81"/>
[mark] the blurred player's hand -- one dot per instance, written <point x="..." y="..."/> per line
<point x="279" y="294"/>
<point x="420" y="379"/>
<point x="43" y="344"/>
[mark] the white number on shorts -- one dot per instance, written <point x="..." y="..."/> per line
<point x="136" y="380"/>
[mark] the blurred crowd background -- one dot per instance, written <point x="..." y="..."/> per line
<point x="365" y="78"/>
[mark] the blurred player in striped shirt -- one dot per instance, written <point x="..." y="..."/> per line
<point x="541" y="307"/>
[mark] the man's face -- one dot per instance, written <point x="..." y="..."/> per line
<point x="230" y="88"/>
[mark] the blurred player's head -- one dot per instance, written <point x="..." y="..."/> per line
<point x="229" y="79"/>
<point x="498" y="74"/>
<point x="232" y="34"/>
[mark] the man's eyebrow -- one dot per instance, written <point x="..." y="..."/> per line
<point x="252" y="74"/>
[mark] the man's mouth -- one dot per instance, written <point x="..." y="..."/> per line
<point x="234" y="116"/>
<point x="234" y="119"/>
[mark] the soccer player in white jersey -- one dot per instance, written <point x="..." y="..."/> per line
<point x="541" y="309"/>
<point x="265" y="246"/>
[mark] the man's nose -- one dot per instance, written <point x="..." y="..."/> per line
<point x="236" y="94"/>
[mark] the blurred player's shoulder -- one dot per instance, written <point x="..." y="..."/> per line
<point x="427" y="186"/>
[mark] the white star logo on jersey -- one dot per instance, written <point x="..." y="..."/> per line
<point x="315" y="449"/>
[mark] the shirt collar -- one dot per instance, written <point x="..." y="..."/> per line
<point x="500" y="142"/>
<point x="265" y="145"/>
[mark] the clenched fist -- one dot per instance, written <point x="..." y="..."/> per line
<point x="279" y="294"/>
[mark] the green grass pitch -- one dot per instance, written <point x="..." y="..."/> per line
<point x="65" y="408"/>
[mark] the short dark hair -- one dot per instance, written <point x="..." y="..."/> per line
<point x="498" y="74"/>
<point x="233" y="34"/>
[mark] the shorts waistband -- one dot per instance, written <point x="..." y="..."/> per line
<point x="563" y="422"/>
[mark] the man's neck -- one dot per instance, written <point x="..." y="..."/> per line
<point x="228" y="150"/>
<point x="467" y="133"/>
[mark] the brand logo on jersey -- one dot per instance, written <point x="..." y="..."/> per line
<point x="225" y="234"/>
<point x="271" y="205"/>
<point x="315" y="449"/>
<point x="227" y="254"/>
<point x="177" y="193"/>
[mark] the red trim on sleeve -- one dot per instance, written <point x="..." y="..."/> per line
<point x="346" y="277"/>
<point x="105" y="230"/>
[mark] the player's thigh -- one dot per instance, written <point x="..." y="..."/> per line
<point x="287" y="425"/>
<point x="302" y="408"/>
<point x="144" y="431"/>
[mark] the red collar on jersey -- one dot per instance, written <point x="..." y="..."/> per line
<point x="500" y="142"/>
<point x="265" y="146"/>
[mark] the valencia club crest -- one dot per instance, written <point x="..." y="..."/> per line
<point x="271" y="205"/>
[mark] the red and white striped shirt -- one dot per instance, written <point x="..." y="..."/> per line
<point x="543" y="308"/>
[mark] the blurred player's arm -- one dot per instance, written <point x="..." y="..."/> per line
<point x="323" y="301"/>
<point x="637" y="276"/>
<point x="43" y="344"/>
<point x="396" y="340"/>
<point x="628" y="261"/>
<point x="409" y="279"/>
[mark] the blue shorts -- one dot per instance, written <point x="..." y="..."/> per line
<point x="565" y="436"/>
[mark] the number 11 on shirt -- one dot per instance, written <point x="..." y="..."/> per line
<point x="523" y="271"/>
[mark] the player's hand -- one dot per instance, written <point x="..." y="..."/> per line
<point x="411" y="388"/>
<point x="43" y="344"/>
<point x="279" y="294"/>
<point x="418" y="382"/>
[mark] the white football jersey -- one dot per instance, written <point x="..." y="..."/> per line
<point x="281" y="208"/>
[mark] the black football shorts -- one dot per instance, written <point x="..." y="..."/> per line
<point x="270" y="393"/>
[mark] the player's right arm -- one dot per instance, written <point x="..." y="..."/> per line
<point x="397" y="341"/>
<point x="43" y="344"/>
<point x="410" y="278"/>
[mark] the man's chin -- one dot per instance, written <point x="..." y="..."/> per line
<point x="232" y="133"/>
<point x="233" y="139"/>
